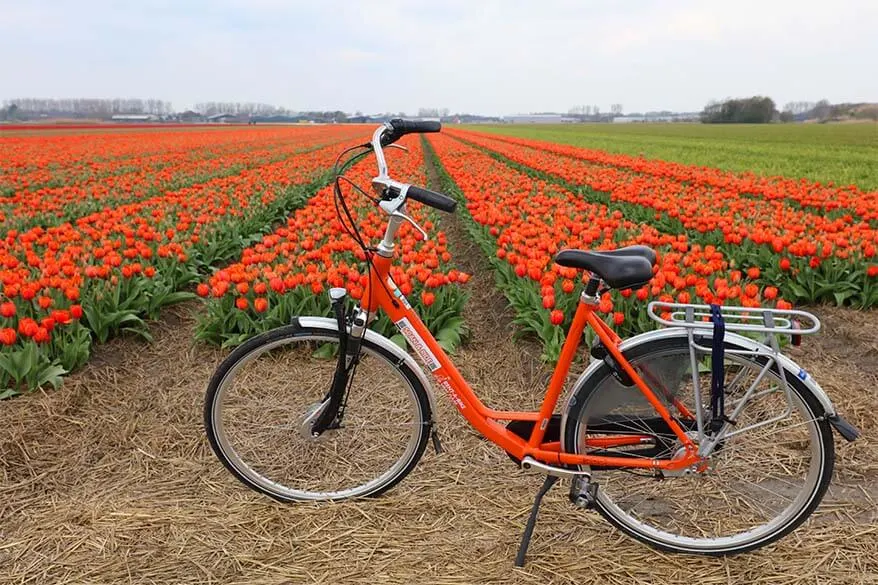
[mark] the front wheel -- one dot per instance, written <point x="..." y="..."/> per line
<point x="262" y="396"/>
<point x="761" y="482"/>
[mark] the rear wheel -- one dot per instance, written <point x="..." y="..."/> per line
<point x="761" y="482"/>
<point x="259" y="399"/>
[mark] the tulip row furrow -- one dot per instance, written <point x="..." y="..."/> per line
<point x="289" y="271"/>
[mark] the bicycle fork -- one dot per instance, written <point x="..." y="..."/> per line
<point x="330" y="413"/>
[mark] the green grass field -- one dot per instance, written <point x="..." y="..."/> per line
<point x="842" y="153"/>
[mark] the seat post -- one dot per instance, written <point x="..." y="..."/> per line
<point x="591" y="289"/>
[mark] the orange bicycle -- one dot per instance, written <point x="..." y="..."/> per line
<point x="694" y="438"/>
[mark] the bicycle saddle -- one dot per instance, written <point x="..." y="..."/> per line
<point x="622" y="268"/>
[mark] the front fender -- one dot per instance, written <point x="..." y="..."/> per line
<point x="381" y="341"/>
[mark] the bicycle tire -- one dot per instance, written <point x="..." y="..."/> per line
<point x="217" y="433"/>
<point x="587" y="390"/>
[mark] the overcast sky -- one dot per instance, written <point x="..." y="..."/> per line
<point x="479" y="56"/>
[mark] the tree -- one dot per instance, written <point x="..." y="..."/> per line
<point x="753" y="110"/>
<point x="823" y="110"/>
<point x="867" y="113"/>
<point x="616" y="109"/>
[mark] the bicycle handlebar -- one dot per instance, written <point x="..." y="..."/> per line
<point x="427" y="197"/>
<point x="386" y="135"/>
<point x="398" y="127"/>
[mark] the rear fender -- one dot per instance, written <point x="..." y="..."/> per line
<point x="792" y="368"/>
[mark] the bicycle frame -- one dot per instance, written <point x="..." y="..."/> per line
<point x="382" y="293"/>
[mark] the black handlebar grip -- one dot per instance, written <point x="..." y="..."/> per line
<point x="401" y="126"/>
<point x="432" y="198"/>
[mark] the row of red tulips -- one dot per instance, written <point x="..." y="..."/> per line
<point x="522" y="222"/>
<point x="289" y="271"/>
<point x="809" y="256"/>
<point x="50" y="205"/>
<point x="65" y="286"/>
<point x="825" y="198"/>
<point x="67" y="159"/>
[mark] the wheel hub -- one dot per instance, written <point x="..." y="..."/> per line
<point x="697" y="468"/>
<point x="311" y="414"/>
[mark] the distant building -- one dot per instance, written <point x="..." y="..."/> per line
<point x="662" y="117"/>
<point x="534" y="119"/>
<point x="222" y="118"/>
<point x="134" y="118"/>
<point x="190" y="117"/>
<point x="474" y="119"/>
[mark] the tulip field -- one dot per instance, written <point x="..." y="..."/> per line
<point x="101" y="230"/>
<point x="840" y="154"/>
<point x="133" y="259"/>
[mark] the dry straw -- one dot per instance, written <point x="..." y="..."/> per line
<point x="110" y="480"/>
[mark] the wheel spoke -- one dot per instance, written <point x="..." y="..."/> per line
<point x="757" y="481"/>
<point x="261" y="404"/>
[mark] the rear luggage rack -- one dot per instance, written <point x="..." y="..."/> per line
<point x="753" y="322"/>
<point x="744" y="319"/>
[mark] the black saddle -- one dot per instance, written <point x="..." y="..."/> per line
<point x="627" y="267"/>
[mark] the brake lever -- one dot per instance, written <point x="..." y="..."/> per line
<point x="411" y="221"/>
<point x="399" y="146"/>
<point x="392" y="206"/>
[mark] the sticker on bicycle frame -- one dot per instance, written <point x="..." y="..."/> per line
<point x="452" y="395"/>
<point x="418" y="344"/>
<point x="803" y="375"/>
<point x="398" y="293"/>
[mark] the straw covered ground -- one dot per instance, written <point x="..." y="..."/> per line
<point x="110" y="480"/>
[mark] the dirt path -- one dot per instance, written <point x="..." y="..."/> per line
<point x="110" y="480"/>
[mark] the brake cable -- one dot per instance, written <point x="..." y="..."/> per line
<point x="346" y="219"/>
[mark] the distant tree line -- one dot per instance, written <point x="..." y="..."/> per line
<point x="761" y="110"/>
<point x="433" y="112"/>
<point x="85" y="107"/>
<point x="23" y="109"/>
<point x="757" y="109"/>
<point x="752" y="110"/>
<point x="824" y="111"/>
<point x="240" y="109"/>
<point x="593" y="111"/>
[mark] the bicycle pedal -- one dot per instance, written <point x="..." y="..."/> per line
<point x="583" y="493"/>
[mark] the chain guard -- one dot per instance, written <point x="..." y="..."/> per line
<point x="523" y="429"/>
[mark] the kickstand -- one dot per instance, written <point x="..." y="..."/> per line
<point x="532" y="520"/>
